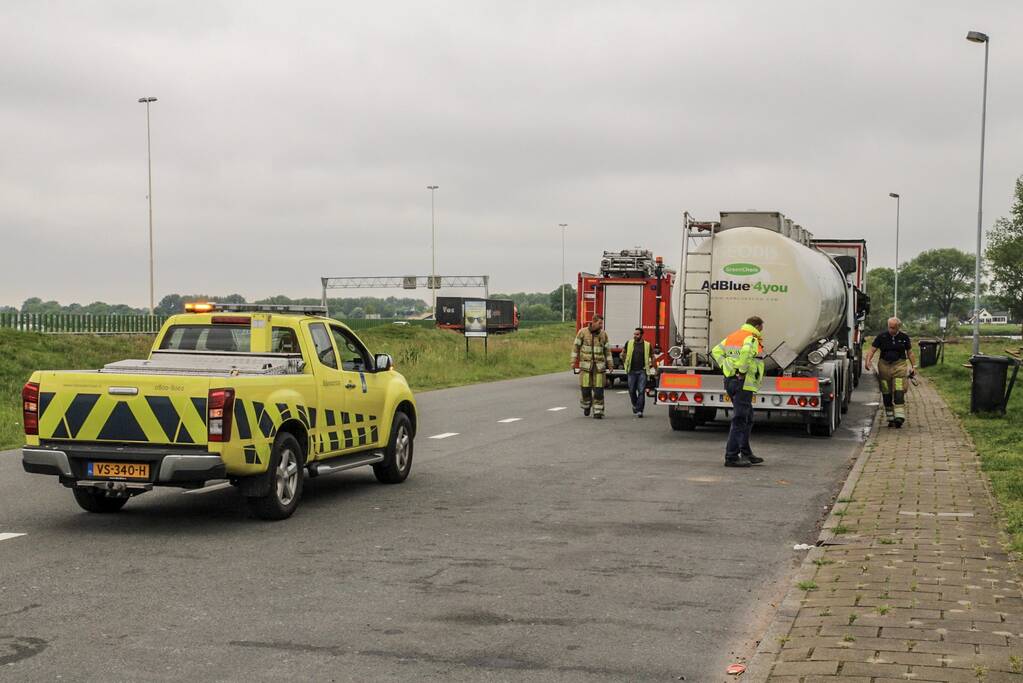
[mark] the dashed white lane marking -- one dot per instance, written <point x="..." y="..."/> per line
<point x="554" y="410"/>
<point x="621" y="392"/>
<point x="207" y="489"/>
<point x="444" y="435"/>
<point x="509" y="419"/>
<point x="7" y="536"/>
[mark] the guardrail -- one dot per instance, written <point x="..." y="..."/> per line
<point x="69" y="323"/>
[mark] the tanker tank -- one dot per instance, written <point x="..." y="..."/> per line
<point x="799" y="291"/>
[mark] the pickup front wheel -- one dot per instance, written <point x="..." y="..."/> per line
<point x="397" y="461"/>
<point x="285" y="473"/>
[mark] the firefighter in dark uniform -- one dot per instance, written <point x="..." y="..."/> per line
<point x="895" y="367"/>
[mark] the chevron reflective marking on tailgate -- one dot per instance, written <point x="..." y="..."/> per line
<point x="156" y="419"/>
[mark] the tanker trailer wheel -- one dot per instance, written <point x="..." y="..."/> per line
<point x="705" y="415"/>
<point x="847" y="385"/>
<point x="680" y="422"/>
<point x="829" y="423"/>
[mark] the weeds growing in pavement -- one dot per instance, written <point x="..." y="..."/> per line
<point x="806" y="586"/>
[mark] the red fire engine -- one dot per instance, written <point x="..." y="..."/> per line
<point x="632" y="290"/>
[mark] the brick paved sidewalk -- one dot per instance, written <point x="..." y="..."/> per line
<point x="917" y="585"/>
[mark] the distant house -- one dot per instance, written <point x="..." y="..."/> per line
<point x="988" y="318"/>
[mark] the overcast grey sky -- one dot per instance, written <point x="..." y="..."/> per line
<point x="294" y="140"/>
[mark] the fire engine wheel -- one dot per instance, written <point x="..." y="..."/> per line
<point x="95" y="500"/>
<point x="286" y="476"/>
<point x="680" y="422"/>
<point x="397" y="461"/>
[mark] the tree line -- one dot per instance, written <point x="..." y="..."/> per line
<point x="532" y="306"/>
<point x="939" y="283"/>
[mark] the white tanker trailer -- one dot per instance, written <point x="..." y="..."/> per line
<point x="760" y="263"/>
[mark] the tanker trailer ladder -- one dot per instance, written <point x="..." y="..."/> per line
<point x="697" y="267"/>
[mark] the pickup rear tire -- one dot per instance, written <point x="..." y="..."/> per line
<point x="94" y="500"/>
<point x="397" y="461"/>
<point x="286" y="477"/>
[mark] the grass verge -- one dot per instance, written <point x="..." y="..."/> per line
<point x="996" y="437"/>
<point x="21" y="353"/>
<point x="429" y="358"/>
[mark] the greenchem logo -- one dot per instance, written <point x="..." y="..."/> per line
<point x="741" y="269"/>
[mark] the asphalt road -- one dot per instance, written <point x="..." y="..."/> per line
<point x="552" y="547"/>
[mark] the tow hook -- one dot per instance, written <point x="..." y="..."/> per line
<point x="115" y="489"/>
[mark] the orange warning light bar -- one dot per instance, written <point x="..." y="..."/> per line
<point x="198" y="307"/>
<point x="798" y="384"/>
<point x="672" y="380"/>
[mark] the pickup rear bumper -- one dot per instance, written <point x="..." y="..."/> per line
<point x="166" y="467"/>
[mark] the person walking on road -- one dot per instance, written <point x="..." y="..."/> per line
<point x="896" y="365"/>
<point x="591" y="358"/>
<point x="739" y="355"/>
<point x="639" y="363"/>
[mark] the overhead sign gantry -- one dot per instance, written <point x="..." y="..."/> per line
<point x="406" y="282"/>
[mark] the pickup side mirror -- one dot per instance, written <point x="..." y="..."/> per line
<point x="384" y="362"/>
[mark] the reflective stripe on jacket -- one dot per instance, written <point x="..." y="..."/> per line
<point x="591" y="351"/>
<point x="627" y="361"/>
<point x="738" y="353"/>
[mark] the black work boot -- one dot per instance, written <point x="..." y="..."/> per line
<point x="754" y="460"/>
<point x="586" y="412"/>
<point x="737" y="462"/>
<point x="898" y="422"/>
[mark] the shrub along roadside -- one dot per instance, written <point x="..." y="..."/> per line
<point x="429" y="359"/>
<point x="997" y="438"/>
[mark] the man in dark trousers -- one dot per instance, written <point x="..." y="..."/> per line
<point x="739" y="355"/>
<point x="639" y="363"/>
<point x="892" y="370"/>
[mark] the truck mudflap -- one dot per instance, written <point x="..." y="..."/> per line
<point x="137" y="468"/>
<point x="697" y="390"/>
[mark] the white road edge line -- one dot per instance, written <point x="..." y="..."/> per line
<point x="509" y="419"/>
<point x="554" y="410"/>
<point x="8" y="535"/>
<point x="207" y="489"/>
<point x="444" y="435"/>
<point x="622" y="392"/>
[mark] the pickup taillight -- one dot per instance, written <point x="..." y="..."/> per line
<point x="30" y="408"/>
<point x="219" y="408"/>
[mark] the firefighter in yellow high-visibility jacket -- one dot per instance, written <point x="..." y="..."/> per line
<point x="591" y="358"/>
<point x="739" y="356"/>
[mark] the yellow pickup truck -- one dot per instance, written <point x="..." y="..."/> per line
<point x="255" y="394"/>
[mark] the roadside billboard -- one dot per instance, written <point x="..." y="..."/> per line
<point x="475" y="317"/>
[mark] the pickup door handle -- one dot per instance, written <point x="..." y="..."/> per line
<point x="350" y="385"/>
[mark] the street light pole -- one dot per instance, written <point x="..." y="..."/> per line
<point x="978" y="37"/>
<point x="149" y="164"/>
<point x="433" y="248"/>
<point x="562" y="226"/>
<point x="898" y="207"/>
